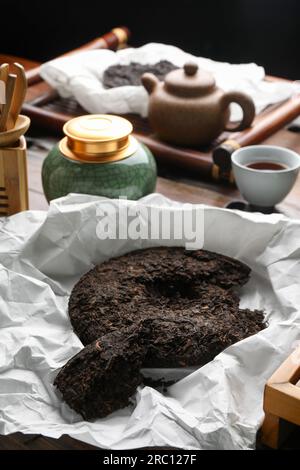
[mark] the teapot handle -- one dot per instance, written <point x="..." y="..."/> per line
<point x="247" y="105"/>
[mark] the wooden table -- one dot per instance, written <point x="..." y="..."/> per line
<point x="173" y="184"/>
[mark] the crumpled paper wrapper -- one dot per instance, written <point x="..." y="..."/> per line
<point x="80" y="76"/>
<point x="218" y="406"/>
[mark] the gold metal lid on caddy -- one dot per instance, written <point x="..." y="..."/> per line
<point x="98" y="138"/>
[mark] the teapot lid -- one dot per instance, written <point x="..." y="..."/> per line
<point x="189" y="81"/>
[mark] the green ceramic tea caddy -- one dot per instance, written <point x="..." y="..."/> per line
<point x="99" y="156"/>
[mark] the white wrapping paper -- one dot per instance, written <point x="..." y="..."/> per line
<point x="80" y="76"/>
<point x="218" y="406"/>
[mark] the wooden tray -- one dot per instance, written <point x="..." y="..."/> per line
<point x="282" y="401"/>
<point x="47" y="109"/>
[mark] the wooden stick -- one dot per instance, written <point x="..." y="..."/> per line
<point x="112" y="40"/>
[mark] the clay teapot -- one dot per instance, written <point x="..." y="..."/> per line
<point x="189" y="109"/>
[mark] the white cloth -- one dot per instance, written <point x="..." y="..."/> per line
<point x="80" y="76"/>
<point x="219" y="406"/>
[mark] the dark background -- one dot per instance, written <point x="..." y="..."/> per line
<point x="264" y="31"/>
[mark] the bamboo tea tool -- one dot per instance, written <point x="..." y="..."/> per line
<point x="13" y="164"/>
<point x="9" y="92"/>
<point x="4" y="70"/>
<point x="18" y="96"/>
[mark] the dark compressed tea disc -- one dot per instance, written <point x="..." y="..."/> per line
<point x="161" y="307"/>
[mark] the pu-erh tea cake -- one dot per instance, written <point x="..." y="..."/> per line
<point x="160" y="307"/>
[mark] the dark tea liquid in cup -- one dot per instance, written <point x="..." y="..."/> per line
<point x="265" y="174"/>
<point x="270" y="166"/>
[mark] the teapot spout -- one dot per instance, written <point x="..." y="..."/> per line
<point x="150" y="82"/>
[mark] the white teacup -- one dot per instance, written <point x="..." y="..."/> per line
<point x="265" y="188"/>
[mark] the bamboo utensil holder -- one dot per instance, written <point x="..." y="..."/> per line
<point x="13" y="169"/>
